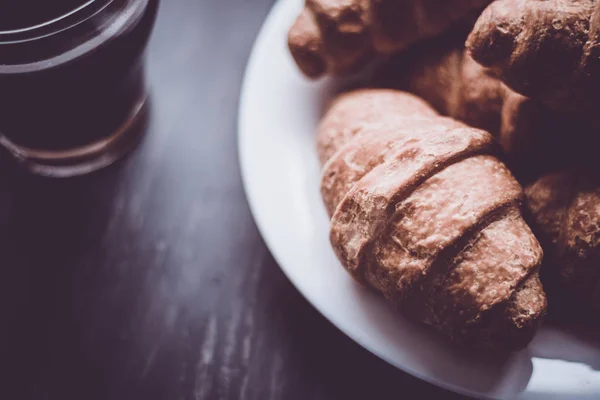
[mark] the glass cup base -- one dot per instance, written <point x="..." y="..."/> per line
<point x="85" y="159"/>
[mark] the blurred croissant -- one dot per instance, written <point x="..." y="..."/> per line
<point x="340" y="36"/>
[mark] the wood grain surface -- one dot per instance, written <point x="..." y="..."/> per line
<point x="149" y="280"/>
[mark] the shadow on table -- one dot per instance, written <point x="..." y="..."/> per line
<point x="52" y="244"/>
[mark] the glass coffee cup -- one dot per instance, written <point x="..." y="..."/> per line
<point x="73" y="93"/>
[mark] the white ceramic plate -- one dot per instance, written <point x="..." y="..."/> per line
<point x="278" y="114"/>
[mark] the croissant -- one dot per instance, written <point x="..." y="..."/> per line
<point x="340" y="36"/>
<point x="442" y="73"/>
<point x="422" y="213"/>
<point x="565" y="210"/>
<point x="546" y="50"/>
<point x="534" y="138"/>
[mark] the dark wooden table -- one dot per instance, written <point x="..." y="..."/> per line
<point x="150" y="280"/>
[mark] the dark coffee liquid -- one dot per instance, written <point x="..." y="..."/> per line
<point x="21" y="14"/>
<point x="80" y="99"/>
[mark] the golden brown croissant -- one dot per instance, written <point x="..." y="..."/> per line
<point x="340" y="36"/>
<point x="421" y="212"/>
